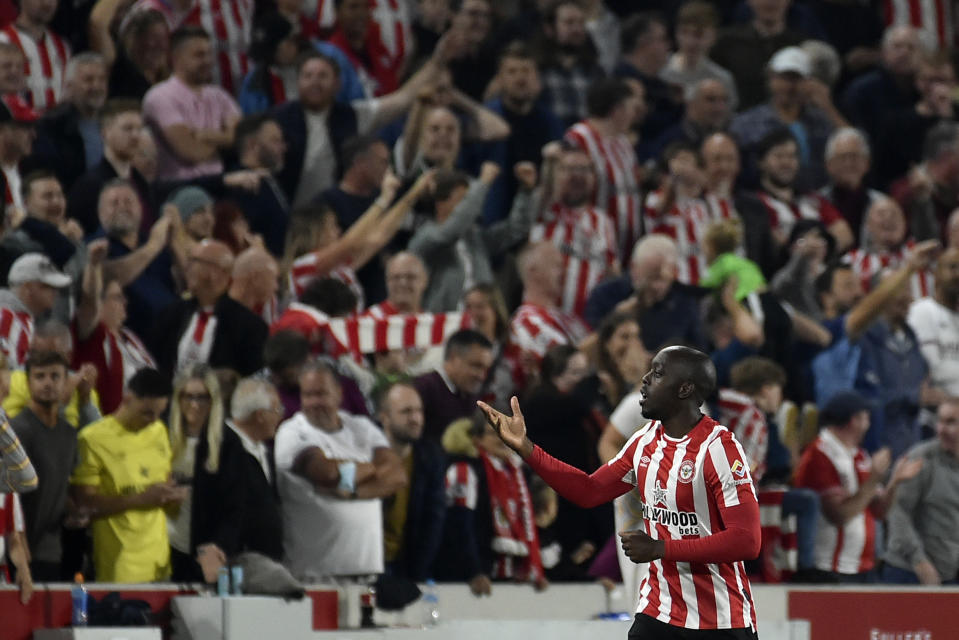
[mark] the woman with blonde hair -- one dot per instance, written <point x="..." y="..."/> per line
<point x="196" y="411"/>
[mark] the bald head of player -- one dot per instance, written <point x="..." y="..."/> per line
<point x="679" y="380"/>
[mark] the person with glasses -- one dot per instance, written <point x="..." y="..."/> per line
<point x="196" y="411"/>
<point x="209" y="327"/>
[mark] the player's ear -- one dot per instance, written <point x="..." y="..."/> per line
<point x="686" y="389"/>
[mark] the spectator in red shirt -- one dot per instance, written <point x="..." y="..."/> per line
<point x="358" y="36"/>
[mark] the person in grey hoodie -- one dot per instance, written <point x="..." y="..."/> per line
<point x="457" y="250"/>
<point x="923" y="547"/>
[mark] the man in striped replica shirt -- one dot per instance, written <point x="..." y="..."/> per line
<point x="45" y="53"/>
<point x="34" y="281"/>
<point x="698" y="501"/>
<point x="849" y="483"/>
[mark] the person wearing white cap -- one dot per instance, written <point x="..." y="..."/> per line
<point x="797" y="103"/>
<point x="33" y="280"/>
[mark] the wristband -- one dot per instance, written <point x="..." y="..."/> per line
<point x="347" y="477"/>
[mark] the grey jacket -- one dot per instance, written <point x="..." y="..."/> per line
<point x="924" y="518"/>
<point x="436" y="243"/>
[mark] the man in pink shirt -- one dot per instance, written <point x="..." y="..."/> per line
<point x="191" y="118"/>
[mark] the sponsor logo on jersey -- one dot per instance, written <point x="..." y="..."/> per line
<point x="644" y="461"/>
<point x="738" y="468"/>
<point x="685" y="521"/>
<point x="687" y="471"/>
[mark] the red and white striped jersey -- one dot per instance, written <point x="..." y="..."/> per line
<point x="685" y="486"/>
<point x="230" y="25"/>
<point x="462" y="486"/>
<point x="617" y="188"/>
<point x="587" y="241"/>
<point x="535" y="329"/>
<point x="392" y="16"/>
<point x="11" y="519"/>
<point x="811" y="206"/>
<point x="382" y="310"/>
<point x="933" y="17"/>
<point x="16" y="333"/>
<point x="741" y="415"/>
<point x="829" y="466"/>
<point x="45" y="64"/>
<point x="779" y="557"/>
<point x="686" y="222"/>
<point x="304" y="270"/>
<point x="866" y="264"/>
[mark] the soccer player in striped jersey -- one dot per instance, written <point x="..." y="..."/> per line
<point x="701" y="517"/>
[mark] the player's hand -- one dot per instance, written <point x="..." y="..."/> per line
<point x="905" y="469"/>
<point x="511" y="429"/>
<point x="927" y="573"/>
<point x="481" y="585"/>
<point x="640" y="548"/>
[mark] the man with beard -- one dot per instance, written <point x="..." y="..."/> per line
<point x="51" y="443"/>
<point x="778" y="154"/>
<point x="936" y="322"/>
<point x="583" y="233"/>
<point x="413" y="517"/>
<point x="698" y="500"/>
<point x="191" y="118"/>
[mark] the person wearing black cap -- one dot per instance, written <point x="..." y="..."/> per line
<point x="849" y="483"/>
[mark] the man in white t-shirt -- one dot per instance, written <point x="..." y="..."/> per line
<point x="333" y="468"/>
<point x="935" y="320"/>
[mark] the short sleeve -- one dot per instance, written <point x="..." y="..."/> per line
<point x="816" y="472"/>
<point x="89" y="465"/>
<point x="462" y="486"/>
<point x="288" y="444"/>
<point x="727" y="473"/>
<point x="375" y="435"/>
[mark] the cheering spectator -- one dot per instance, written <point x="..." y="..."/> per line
<point x="413" y="517"/>
<point x="485" y="538"/>
<point x="406" y="282"/>
<point x="121" y="128"/>
<point x="707" y="111"/>
<point x="582" y="232"/>
<point x="235" y="504"/>
<point x="192" y="118"/>
<point x="255" y="283"/>
<point x="847" y="163"/>
<point x="51" y="443"/>
<point x="930" y="191"/>
<point x="696" y="25"/>
<point x="487" y="311"/>
<point x="872" y="95"/>
<point x="667" y="310"/>
<point x="123" y="479"/>
<point x="68" y="136"/>
<point x="933" y="321"/>
<point x="316" y="126"/>
<point x="531" y="122"/>
<point x="16" y="139"/>
<point x="796" y="102"/>
<point x="612" y="106"/>
<point x="459" y="251"/>
<point x="744" y="50"/>
<point x="139" y="58"/>
<point x="539" y="324"/>
<point x="334" y="467"/>
<point x="33" y="280"/>
<point x="567" y="61"/>
<point x="46" y="54"/>
<point x="210" y="327"/>
<point x="921" y="548"/>
<point x="810" y="249"/>
<point x="454" y="387"/>
<point x="645" y="42"/>
<point x="785" y="202"/>
<point x="196" y="411"/>
<point x="474" y="62"/>
<point x="438" y="144"/>
<point x="850" y="489"/>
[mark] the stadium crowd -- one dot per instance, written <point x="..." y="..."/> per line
<point x="261" y="259"/>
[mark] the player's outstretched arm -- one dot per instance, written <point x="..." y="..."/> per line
<point x="573" y="484"/>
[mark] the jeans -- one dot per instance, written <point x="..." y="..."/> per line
<point x="804" y="504"/>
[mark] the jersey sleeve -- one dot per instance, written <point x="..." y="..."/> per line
<point x="89" y="467"/>
<point x="462" y="486"/>
<point x="611" y="480"/>
<point x="727" y="473"/>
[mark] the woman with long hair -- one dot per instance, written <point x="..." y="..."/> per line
<point x="196" y="411"/>
<point x="135" y="45"/>
<point x="487" y="311"/>
<point x="622" y="360"/>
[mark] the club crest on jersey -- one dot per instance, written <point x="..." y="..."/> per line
<point x="687" y="471"/>
<point x="738" y="468"/>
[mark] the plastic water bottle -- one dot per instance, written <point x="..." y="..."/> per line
<point x="431" y="605"/>
<point x="79" y="596"/>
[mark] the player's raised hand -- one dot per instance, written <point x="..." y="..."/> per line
<point x="511" y="429"/>
<point x="639" y="547"/>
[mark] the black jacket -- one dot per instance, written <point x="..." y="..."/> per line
<point x="468" y="533"/>
<point x="84" y="198"/>
<point x="236" y="508"/>
<point x="425" y="514"/>
<point x="237" y="343"/>
<point x="59" y="144"/>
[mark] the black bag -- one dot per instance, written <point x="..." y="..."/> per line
<point x="113" y="611"/>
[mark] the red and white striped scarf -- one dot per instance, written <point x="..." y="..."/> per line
<point x="515" y="540"/>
